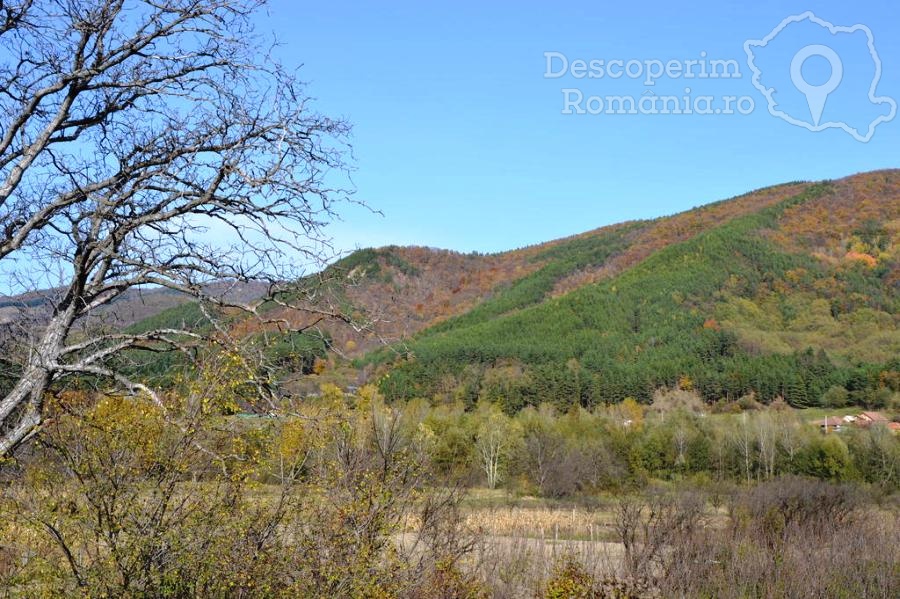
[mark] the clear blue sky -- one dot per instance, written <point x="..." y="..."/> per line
<point x="460" y="140"/>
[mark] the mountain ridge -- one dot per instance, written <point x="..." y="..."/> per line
<point x="783" y="265"/>
<point x="761" y="293"/>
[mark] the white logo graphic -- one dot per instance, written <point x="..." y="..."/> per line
<point x="852" y="83"/>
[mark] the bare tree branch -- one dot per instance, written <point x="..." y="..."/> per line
<point x="152" y="143"/>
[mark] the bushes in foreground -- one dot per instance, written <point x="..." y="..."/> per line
<point x="791" y="537"/>
<point x="122" y="497"/>
<point x="347" y="498"/>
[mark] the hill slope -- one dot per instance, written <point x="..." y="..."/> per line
<point x="404" y="290"/>
<point x="785" y="292"/>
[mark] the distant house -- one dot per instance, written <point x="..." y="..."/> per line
<point x="831" y="424"/>
<point x="835" y="424"/>
<point x="869" y="418"/>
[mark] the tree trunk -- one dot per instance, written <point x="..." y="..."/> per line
<point x="20" y="410"/>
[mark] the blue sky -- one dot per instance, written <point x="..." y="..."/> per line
<point x="460" y="138"/>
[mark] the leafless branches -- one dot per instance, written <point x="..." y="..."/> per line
<point x="149" y="143"/>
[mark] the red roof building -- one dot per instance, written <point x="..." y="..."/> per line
<point x="869" y="418"/>
<point x="832" y="423"/>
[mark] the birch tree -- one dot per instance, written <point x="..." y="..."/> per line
<point x="494" y="440"/>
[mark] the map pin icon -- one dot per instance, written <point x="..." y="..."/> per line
<point x="816" y="95"/>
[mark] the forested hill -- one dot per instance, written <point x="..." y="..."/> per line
<point x="404" y="290"/>
<point x="785" y="292"/>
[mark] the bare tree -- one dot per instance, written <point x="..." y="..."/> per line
<point x="744" y="439"/>
<point x="790" y="437"/>
<point x="148" y="143"/>
<point x="545" y="453"/>
<point x="766" y="443"/>
<point x="494" y="440"/>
